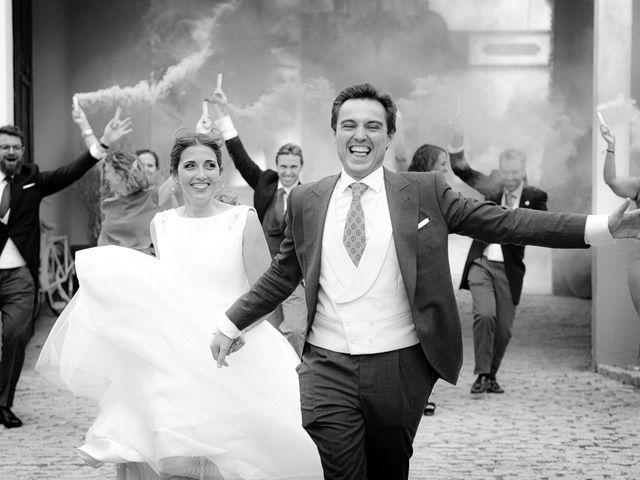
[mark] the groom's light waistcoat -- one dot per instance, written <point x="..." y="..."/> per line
<point x="363" y="309"/>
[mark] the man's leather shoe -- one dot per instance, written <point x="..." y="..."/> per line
<point x="480" y="385"/>
<point x="8" y="419"/>
<point x="494" y="387"/>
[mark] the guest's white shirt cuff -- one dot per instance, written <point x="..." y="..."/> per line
<point x="228" y="328"/>
<point x="96" y="152"/>
<point x="225" y="125"/>
<point x="455" y="149"/>
<point x="596" y="231"/>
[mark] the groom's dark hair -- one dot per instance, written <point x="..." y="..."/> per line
<point x="365" y="91"/>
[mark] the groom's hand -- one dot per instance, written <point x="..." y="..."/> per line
<point x="220" y="348"/>
<point x="623" y="223"/>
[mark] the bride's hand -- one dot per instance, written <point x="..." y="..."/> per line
<point x="237" y="344"/>
<point x="220" y="348"/>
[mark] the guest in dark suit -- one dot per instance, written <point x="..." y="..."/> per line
<point x="494" y="273"/>
<point x="383" y="323"/>
<point x="22" y="187"/>
<point x="270" y="191"/>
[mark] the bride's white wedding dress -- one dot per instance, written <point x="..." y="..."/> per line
<point x="136" y="338"/>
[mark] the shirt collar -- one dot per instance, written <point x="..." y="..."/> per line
<point x="517" y="192"/>
<point x="286" y="189"/>
<point x="374" y="181"/>
<point x="2" y="176"/>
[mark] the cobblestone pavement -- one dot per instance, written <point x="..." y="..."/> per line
<point x="557" y="419"/>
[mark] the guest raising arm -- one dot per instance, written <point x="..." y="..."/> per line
<point x="271" y="190"/>
<point x="22" y="187"/>
<point x="625" y="187"/>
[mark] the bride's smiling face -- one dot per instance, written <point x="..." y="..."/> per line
<point x="198" y="174"/>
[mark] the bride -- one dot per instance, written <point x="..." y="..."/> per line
<point x="136" y="339"/>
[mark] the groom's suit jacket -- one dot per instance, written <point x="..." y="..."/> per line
<point x="415" y="200"/>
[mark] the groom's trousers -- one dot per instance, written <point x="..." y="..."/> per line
<point x="363" y="411"/>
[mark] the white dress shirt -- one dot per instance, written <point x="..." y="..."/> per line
<point x="493" y="251"/>
<point x="287" y="191"/>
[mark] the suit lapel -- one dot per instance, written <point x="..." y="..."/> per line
<point x="402" y="198"/>
<point x="16" y="190"/>
<point x="313" y="218"/>
<point x="525" y="198"/>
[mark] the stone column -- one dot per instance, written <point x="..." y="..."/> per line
<point x="615" y="324"/>
<point x="6" y="63"/>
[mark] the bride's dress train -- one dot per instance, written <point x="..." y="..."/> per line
<point x="136" y="338"/>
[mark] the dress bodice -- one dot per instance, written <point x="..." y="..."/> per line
<point x="205" y="253"/>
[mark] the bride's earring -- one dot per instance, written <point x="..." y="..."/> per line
<point x="220" y="185"/>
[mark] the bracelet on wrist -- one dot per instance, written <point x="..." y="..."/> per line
<point x="610" y="150"/>
<point x="106" y="147"/>
<point x="87" y="132"/>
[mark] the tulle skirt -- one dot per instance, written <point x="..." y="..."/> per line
<point x="136" y="339"/>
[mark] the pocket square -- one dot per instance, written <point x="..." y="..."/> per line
<point x="28" y="185"/>
<point x="423" y="223"/>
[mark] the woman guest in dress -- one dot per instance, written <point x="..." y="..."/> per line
<point x="136" y="338"/>
<point x="129" y="198"/>
<point x="625" y="187"/>
<point x="429" y="158"/>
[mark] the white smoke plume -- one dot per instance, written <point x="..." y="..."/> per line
<point x="278" y="112"/>
<point x="150" y="92"/>
<point x="529" y="122"/>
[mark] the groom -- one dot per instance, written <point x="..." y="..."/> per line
<point x="382" y="322"/>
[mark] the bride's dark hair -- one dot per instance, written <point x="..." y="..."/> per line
<point x="184" y="139"/>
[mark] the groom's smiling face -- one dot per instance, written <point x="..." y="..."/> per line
<point x="361" y="136"/>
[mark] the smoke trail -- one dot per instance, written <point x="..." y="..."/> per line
<point x="617" y="103"/>
<point x="277" y="112"/>
<point x="529" y="122"/>
<point x="150" y="92"/>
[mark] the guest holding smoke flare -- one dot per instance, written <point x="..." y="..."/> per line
<point x="129" y="199"/>
<point x="625" y="187"/>
<point x="165" y="410"/>
<point x="22" y="187"/>
<point x="271" y="189"/>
